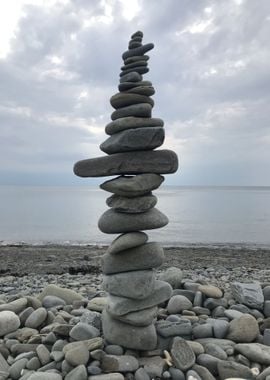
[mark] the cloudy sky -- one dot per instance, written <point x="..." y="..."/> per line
<point x="59" y="65"/>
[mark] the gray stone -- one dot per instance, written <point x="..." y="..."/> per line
<point x="230" y="369"/>
<point x="173" y="276"/>
<point x="216" y="351"/>
<point x="127" y="241"/>
<point x="122" y="99"/>
<point x="119" y="363"/>
<point x="176" y="374"/>
<point x="141" y="374"/>
<point x="77" y="356"/>
<point x="182" y="355"/>
<point x="4" y="366"/>
<point x="139" y="318"/>
<point x="223" y="343"/>
<point x="16" y="306"/>
<point x="68" y="295"/>
<point x="136" y="110"/>
<point x="255" y="352"/>
<point x="52" y="301"/>
<point x="125" y="86"/>
<point x="78" y="373"/>
<point x="109" y="376"/>
<point x="135" y="284"/>
<point x="212" y="303"/>
<point x="43" y="354"/>
<point x="146" y="256"/>
<point x="57" y="356"/>
<point x="198" y="299"/>
<point x="242" y="308"/>
<point x="153" y="365"/>
<point x="45" y="376"/>
<point x="36" y="318"/>
<point x="191" y="374"/>
<point x="119" y="306"/>
<point x="244" y="329"/>
<point x="33" y="364"/>
<point x="16" y="368"/>
<point x="133" y="186"/>
<point x="266" y="308"/>
<point x="220" y="328"/>
<point x="249" y="294"/>
<point x="97" y="303"/>
<point x="208" y="361"/>
<point x="131" y="77"/>
<point x="134" y="64"/>
<point x="142" y="90"/>
<point x="266" y="337"/>
<point x="266" y="293"/>
<point x="203" y="331"/>
<point x="93" y="370"/>
<point x="138" y="69"/>
<point x="91" y="318"/>
<point x="233" y="314"/>
<point x="9" y="322"/>
<point x="114" y="349"/>
<point x="131" y="122"/>
<point x="196" y="347"/>
<point x="210" y="291"/>
<point x="83" y="331"/>
<point x="90" y="344"/>
<point x="167" y="328"/>
<point x="203" y="372"/>
<point x="190" y="294"/>
<point x="138" y="51"/>
<point x="132" y="205"/>
<point x="25" y="314"/>
<point x="138" y="338"/>
<point x="178" y="303"/>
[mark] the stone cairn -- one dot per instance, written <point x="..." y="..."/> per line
<point x="130" y="262"/>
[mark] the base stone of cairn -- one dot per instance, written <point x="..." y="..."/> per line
<point x="130" y="261"/>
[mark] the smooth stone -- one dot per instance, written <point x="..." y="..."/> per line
<point x="216" y="351"/>
<point x="212" y="303"/>
<point x="134" y="285"/>
<point x="16" y="306"/>
<point x="91" y="318"/>
<point x="178" y="303"/>
<point x="4" y="366"/>
<point x="153" y="365"/>
<point x="208" y="361"/>
<point x="83" y="331"/>
<point x="255" y="352"/>
<point x="266" y="293"/>
<point x="210" y="291"/>
<point x="113" y="222"/>
<point x="173" y="276"/>
<point x="45" y="376"/>
<point x="182" y="355"/>
<point x="127" y="241"/>
<point x="118" y="306"/>
<point x="266" y="308"/>
<point x="203" y="372"/>
<point x="114" y="349"/>
<point x="78" y="373"/>
<point x="233" y="314"/>
<point x="37" y="318"/>
<point x="167" y="328"/>
<point x="119" y="363"/>
<point x="176" y="374"/>
<point x="90" y="344"/>
<point x="52" y="301"/>
<point x="124" y="86"/>
<point x="9" y="322"/>
<point x="190" y="294"/>
<point x="43" y="354"/>
<point x="136" y="110"/>
<point x="266" y="337"/>
<point x="193" y="375"/>
<point x="97" y="304"/>
<point x="138" y="69"/>
<point x="138" y="338"/>
<point x="25" y="314"/>
<point x="242" y="308"/>
<point x="220" y="328"/>
<point x="131" y="77"/>
<point x="135" y="205"/>
<point x="249" y="294"/>
<point x="230" y="369"/>
<point x="19" y="348"/>
<point x="133" y="45"/>
<point x="139" y="33"/>
<point x="196" y="347"/>
<point x="143" y="317"/>
<point x="134" y="64"/>
<point x="110" y="376"/>
<point x="141" y="90"/>
<point x="138" y="51"/>
<point x="244" y="329"/>
<point x="33" y="364"/>
<point x="133" y="186"/>
<point x="93" y="370"/>
<point x="141" y="374"/>
<point x="68" y="295"/>
<point x="77" y="356"/>
<point x="198" y="299"/>
<point x="16" y="368"/>
<point x="132" y="122"/>
<point x="146" y="256"/>
<point x="203" y="331"/>
<point x="134" y="140"/>
<point x="122" y="99"/>
<point x="136" y="58"/>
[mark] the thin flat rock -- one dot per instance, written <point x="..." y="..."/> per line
<point x="132" y="205"/>
<point x="113" y="222"/>
<point x="131" y="77"/>
<point x="137" y="110"/>
<point x="132" y="122"/>
<point x="123" y="86"/>
<point x="159" y="162"/>
<point x="127" y="241"/>
<point x="136" y="58"/>
<point x="139" y="69"/>
<point x="138" y="51"/>
<point x="122" y="99"/>
<point x="143" y="317"/>
<point x="142" y="90"/>
<point x="133" y="186"/>
<point x="133" y="140"/>
<point x="134" y="64"/>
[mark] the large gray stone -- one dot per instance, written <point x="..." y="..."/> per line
<point x="249" y="294"/>
<point x="139" y="318"/>
<point x="138" y="69"/>
<point x="65" y="294"/>
<point x="138" y="338"/>
<point x="45" y="376"/>
<point x="137" y="110"/>
<point x="182" y="355"/>
<point x="120" y="306"/>
<point x="132" y="205"/>
<point x="255" y="352"/>
<point x="244" y="329"/>
<point x="78" y="373"/>
<point x="229" y="369"/>
<point x="142" y="90"/>
<point x="9" y="322"/>
<point x="127" y="241"/>
<point x="16" y="306"/>
<point x="134" y="139"/>
<point x="138" y="51"/>
<point x="146" y="256"/>
<point x="36" y="318"/>
<point x="132" y="122"/>
<point x="203" y="372"/>
<point x="173" y="276"/>
<point x="131" y="77"/>
<point x="167" y="328"/>
<point x="178" y="303"/>
<point x="135" y="284"/>
<point x="113" y="222"/>
<point x="83" y="331"/>
<point x="133" y="186"/>
<point x="146" y="161"/>
<point x="124" y="99"/>
<point x="119" y="363"/>
<point x="134" y="64"/>
<point x="124" y="86"/>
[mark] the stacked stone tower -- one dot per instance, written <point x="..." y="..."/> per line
<point x="130" y="261"/>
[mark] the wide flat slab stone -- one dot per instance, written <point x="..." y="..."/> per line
<point x="137" y="338"/>
<point x="127" y="241"/>
<point x="142" y="90"/>
<point x="134" y="139"/>
<point x="113" y="222"/>
<point x="146" y="256"/>
<point x="136" y="58"/>
<point x="131" y="122"/>
<point x="136" y="63"/>
<point x="255" y="352"/>
<point x="123" y="99"/>
<point x="133" y="186"/>
<point x="127" y="85"/>
<point x="250" y="294"/>
<point x="143" y="317"/>
<point x="138" y="69"/>
<point x="138" y="51"/>
<point x="159" y="162"/>
<point x="132" y="205"/>
<point x="137" y="110"/>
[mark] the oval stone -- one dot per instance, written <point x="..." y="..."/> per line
<point x="138" y="51"/>
<point x="131" y="77"/>
<point x="138" y="69"/>
<point x="9" y="322"/>
<point x="132" y="205"/>
<point x="142" y="90"/>
<point x="134" y="64"/>
<point x="137" y="110"/>
<point x="132" y="122"/>
<point x="123" y="99"/>
<point x="127" y="241"/>
<point x="127" y="85"/>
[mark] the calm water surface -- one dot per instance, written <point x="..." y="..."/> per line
<point x="198" y="215"/>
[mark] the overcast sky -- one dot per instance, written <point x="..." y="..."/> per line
<point x="60" y="62"/>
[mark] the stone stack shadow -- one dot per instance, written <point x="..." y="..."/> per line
<point x="130" y="261"/>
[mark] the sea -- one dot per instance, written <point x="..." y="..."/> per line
<point x="219" y="216"/>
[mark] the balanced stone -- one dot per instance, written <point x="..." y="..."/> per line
<point x="135" y="284"/>
<point x="146" y="256"/>
<point x="139" y="318"/>
<point x="133" y="45"/>
<point x="134" y="139"/>
<point x="134" y="186"/>
<point x="137" y="110"/>
<point x="134" y="64"/>
<point x="132" y="122"/>
<point x="128" y="336"/>
<point x="113" y="222"/>
<point x="138" y="51"/>
<point x="139" y="69"/>
<point x="131" y="77"/>
<point x="128" y="85"/>
<point x="119" y="306"/>
<point x="142" y="90"/>
<point x="137" y="34"/>
<point x="126" y="241"/>
<point x="136" y="58"/>
<point x="132" y="205"/>
<point x="123" y="99"/>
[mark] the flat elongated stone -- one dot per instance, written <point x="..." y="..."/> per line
<point x="139" y="318"/>
<point x="127" y="241"/>
<point x="139" y="69"/>
<point x="131" y="77"/>
<point x="135" y="186"/>
<point x="119" y="363"/>
<point x="137" y="338"/>
<point x="138" y="51"/>
<point x="131" y="122"/>
<point x="122" y="99"/>
<point x="132" y="205"/>
<point x="135" y="284"/>
<point x="159" y="162"/>
<point x="127" y="85"/>
<point x="134" y="64"/>
<point x="137" y="110"/>
<point x="121" y="306"/>
<point x="141" y="90"/>
<point x="136" y="58"/>
<point x="255" y="352"/>
<point x="113" y="222"/>
<point x="134" y="139"/>
<point x="133" y="45"/>
<point x="146" y="256"/>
